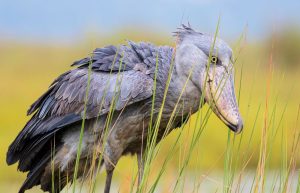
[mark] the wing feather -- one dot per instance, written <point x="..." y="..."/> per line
<point x="114" y="73"/>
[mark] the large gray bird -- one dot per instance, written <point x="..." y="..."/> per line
<point x="46" y="148"/>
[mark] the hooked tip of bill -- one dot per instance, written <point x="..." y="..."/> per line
<point x="237" y="129"/>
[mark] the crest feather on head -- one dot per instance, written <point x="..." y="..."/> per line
<point x="184" y="31"/>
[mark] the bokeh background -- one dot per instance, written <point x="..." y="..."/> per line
<point x="40" y="39"/>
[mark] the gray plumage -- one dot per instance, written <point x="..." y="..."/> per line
<point x="123" y="77"/>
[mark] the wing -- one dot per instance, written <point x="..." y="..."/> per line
<point x="63" y="104"/>
<point x="119" y="77"/>
<point x="68" y="93"/>
<point x="140" y="56"/>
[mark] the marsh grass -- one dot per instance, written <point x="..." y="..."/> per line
<point x="264" y="119"/>
<point x="237" y="153"/>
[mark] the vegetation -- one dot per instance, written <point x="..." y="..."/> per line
<point x="204" y="155"/>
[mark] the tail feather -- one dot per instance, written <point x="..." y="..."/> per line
<point x="34" y="176"/>
<point x="34" y="152"/>
<point x="34" y="136"/>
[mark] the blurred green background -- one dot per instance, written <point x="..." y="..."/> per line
<point x="34" y="51"/>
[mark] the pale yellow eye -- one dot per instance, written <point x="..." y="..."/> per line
<point x="214" y="59"/>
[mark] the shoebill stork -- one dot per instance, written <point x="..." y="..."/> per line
<point x="122" y="78"/>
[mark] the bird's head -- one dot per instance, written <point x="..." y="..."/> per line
<point x="210" y="60"/>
